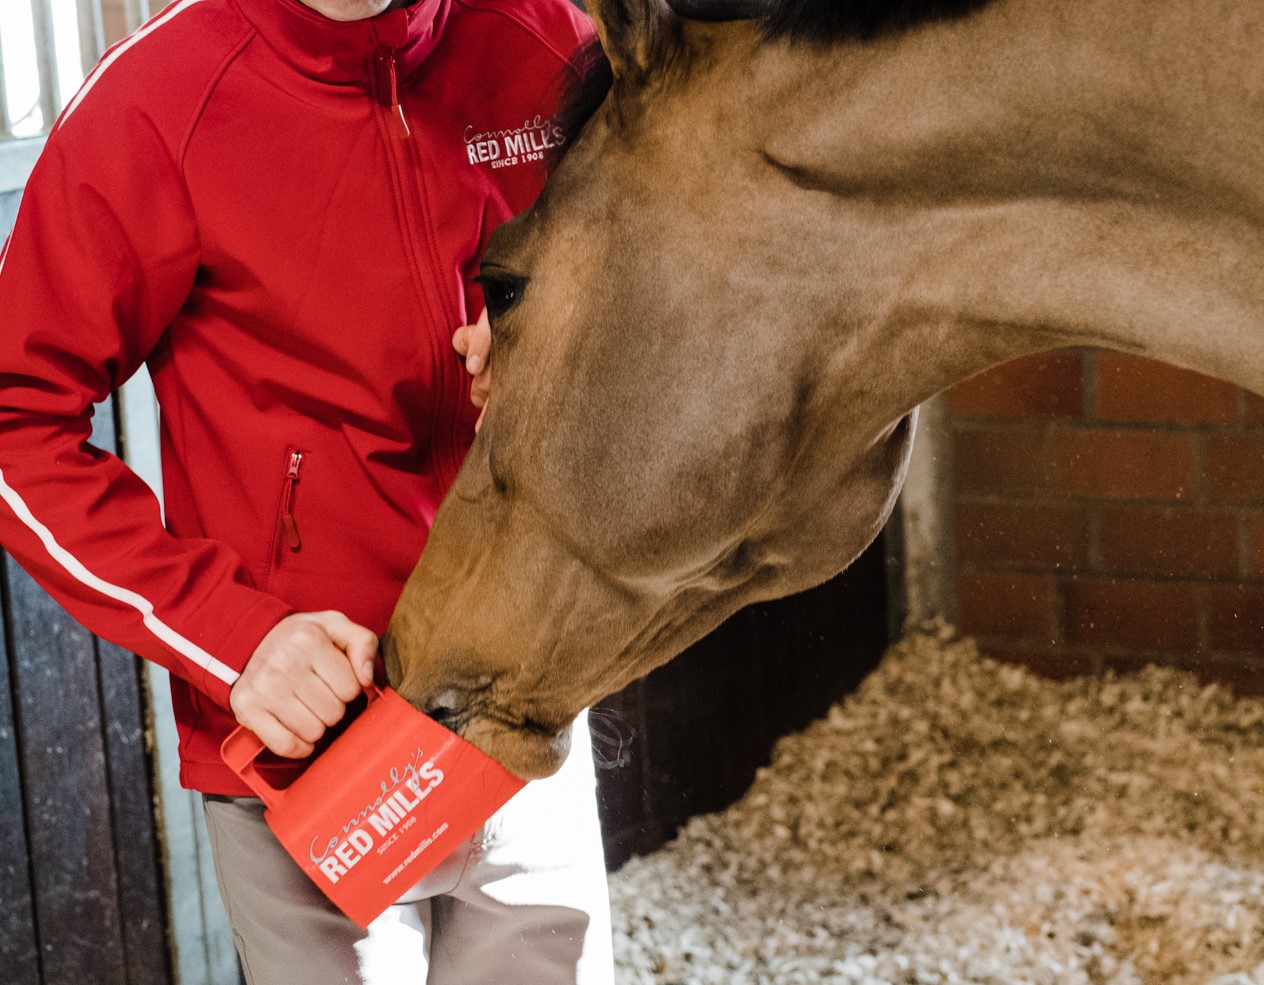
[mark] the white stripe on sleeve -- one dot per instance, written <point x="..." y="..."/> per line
<point x="71" y="564"/>
<point x="75" y="568"/>
<point x="115" y="53"/>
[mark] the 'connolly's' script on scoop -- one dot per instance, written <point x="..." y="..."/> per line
<point x="402" y="791"/>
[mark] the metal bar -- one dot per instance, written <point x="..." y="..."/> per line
<point x="137" y="14"/>
<point x="5" y="123"/>
<point x="91" y="34"/>
<point x="50" y="97"/>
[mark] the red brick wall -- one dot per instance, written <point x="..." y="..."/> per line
<point x="1108" y="511"/>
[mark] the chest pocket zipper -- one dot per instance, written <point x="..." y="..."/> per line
<point x="289" y="527"/>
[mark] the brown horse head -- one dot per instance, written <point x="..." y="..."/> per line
<point x="771" y="241"/>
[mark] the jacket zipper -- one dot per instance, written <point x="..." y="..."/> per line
<point x="288" y="527"/>
<point x="390" y="83"/>
<point x="407" y="174"/>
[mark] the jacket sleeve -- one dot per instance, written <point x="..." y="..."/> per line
<point x="102" y="256"/>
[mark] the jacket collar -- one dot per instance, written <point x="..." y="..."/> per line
<point x="348" y="51"/>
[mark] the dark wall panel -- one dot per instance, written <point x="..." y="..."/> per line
<point x="688" y="738"/>
<point x="83" y="898"/>
<point x="67" y="798"/>
<point x="19" y="953"/>
<point x="140" y="879"/>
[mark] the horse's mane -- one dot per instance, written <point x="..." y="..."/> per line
<point x="833" y="21"/>
<point x="818" y="21"/>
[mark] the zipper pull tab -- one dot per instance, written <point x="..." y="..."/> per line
<point x="288" y="525"/>
<point x="392" y="90"/>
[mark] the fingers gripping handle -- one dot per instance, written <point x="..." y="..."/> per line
<point x="243" y="747"/>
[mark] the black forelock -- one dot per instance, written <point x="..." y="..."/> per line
<point x="834" y="21"/>
<point x="588" y="83"/>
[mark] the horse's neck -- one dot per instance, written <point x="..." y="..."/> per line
<point x="1091" y="172"/>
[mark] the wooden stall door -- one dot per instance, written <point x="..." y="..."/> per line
<point x="83" y="892"/>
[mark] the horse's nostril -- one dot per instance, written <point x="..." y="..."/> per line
<point x="442" y="716"/>
<point x="447" y="705"/>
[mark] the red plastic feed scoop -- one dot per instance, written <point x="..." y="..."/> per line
<point x="389" y="800"/>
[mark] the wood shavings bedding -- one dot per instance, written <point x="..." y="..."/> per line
<point x="957" y="820"/>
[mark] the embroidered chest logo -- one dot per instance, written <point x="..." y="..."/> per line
<point x="507" y="148"/>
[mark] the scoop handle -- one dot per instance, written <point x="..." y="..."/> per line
<point x="242" y="747"/>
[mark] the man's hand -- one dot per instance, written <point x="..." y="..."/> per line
<point x="300" y="678"/>
<point x="474" y="342"/>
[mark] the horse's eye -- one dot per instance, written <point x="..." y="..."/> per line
<point x="501" y="292"/>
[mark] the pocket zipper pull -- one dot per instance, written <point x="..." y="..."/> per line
<point x="287" y="501"/>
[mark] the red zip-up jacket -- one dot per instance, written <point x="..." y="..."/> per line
<point x="281" y="216"/>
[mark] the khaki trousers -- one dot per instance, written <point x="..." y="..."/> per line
<point x="524" y="902"/>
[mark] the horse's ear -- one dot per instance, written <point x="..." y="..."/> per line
<point x="634" y="33"/>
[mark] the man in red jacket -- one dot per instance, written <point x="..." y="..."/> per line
<point x="278" y="206"/>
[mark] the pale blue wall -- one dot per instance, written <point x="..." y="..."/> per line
<point x="8" y="211"/>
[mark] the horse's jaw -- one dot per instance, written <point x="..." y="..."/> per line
<point x="508" y="641"/>
<point x="531" y="756"/>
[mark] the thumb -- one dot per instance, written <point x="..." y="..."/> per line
<point x="461" y="339"/>
<point x="478" y="344"/>
<point x="357" y="642"/>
